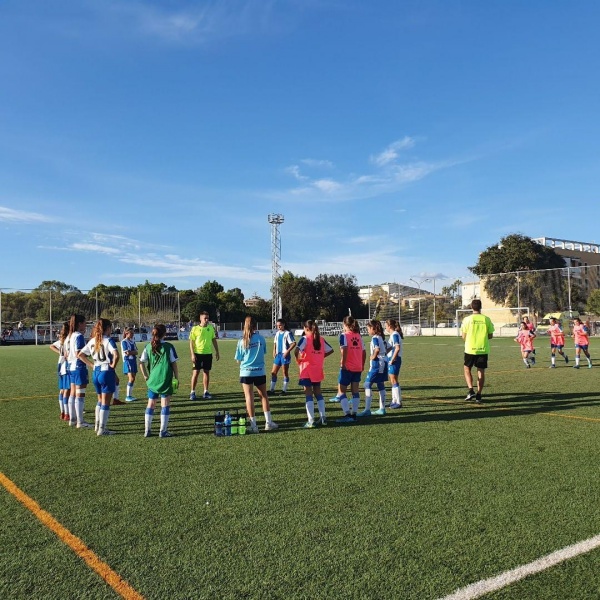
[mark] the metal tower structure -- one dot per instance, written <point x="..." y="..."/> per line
<point x="276" y="220"/>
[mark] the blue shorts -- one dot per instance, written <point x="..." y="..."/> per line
<point x="64" y="383"/>
<point x="557" y="346"/>
<point x="583" y="347"/>
<point x="79" y="377"/>
<point x="155" y="396"/>
<point x="347" y="377"/>
<point x="374" y="376"/>
<point x="105" y="382"/>
<point x="279" y="360"/>
<point x="129" y="366"/>
<point x="308" y="383"/>
<point x="394" y="367"/>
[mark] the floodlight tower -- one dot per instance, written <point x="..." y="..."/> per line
<point x="276" y="220"/>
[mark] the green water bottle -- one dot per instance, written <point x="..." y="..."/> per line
<point x="242" y="424"/>
<point x="234" y="423"/>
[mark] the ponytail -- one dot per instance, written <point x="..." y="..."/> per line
<point x="64" y="332"/>
<point x="100" y="328"/>
<point x="393" y="324"/>
<point x="74" y="322"/>
<point x="314" y="329"/>
<point x="249" y="329"/>
<point x="158" y="333"/>
<point x="352" y="324"/>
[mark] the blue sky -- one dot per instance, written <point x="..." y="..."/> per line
<point x="150" y="140"/>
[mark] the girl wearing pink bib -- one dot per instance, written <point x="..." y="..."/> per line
<point x="310" y="354"/>
<point x="582" y="342"/>
<point x="525" y="340"/>
<point x="352" y="364"/>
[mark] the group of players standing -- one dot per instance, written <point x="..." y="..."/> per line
<point x="158" y="364"/>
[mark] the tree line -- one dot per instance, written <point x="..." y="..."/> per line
<point x="329" y="297"/>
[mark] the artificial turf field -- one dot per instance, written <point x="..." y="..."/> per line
<point x="415" y="504"/>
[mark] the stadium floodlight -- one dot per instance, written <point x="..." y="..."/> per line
<point x="275" y="219"/>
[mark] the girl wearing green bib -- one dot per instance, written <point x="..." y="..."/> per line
<point x="158" y="364"/>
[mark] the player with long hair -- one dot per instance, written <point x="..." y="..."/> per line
<point x="102" y="355"/>
<point x="283" y="346"/>
<point x="581" y="334"/>
<point x="352" y="364"/>
<point x="64" y="385"/>
<point x="78" y="373"/>
<point x="378" y="371"/>
<point x="250" y="353"/>
<point x="310" y="353"/>
<point x="394" y="359"/>
<point x="158" y="364"/>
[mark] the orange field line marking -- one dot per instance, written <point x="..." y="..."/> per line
<point x="112" y="578"/>
<point x="547" y="414"/>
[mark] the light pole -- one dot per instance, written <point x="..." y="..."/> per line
<point x="419" y="284"/>
<point x="438" y="276"/>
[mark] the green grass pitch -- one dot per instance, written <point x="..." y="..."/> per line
<point x="412" y="505"/>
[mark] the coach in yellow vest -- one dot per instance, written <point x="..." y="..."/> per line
<point x="477" y="330"/>
<point x="203" y="339"/>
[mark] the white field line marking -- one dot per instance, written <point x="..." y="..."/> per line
<point x="485" y="586"/>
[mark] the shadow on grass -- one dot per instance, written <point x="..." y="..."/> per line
<point x="512" y="405"/>
<point x="193" y="418"/>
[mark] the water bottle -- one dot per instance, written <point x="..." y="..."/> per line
<point x="234" y="423"/>
<point x="218" y="424"/>
<point x="242" y="424"/>
<point x="227" y="424"/>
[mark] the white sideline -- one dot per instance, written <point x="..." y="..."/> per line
<point x="485" y="586"/>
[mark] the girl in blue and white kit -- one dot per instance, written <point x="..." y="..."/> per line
<point x="395" y="359"/>
<point x="378" y="371"/>
<point x="64" y="385"/>
<point x="78" y="373"/>
<point x="104" y="358"/>
<point x="130" y="352"/>
<point x="283" y="344"/>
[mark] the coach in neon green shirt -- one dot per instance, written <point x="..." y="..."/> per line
<point x="477" y="330"/>
<point x="203" y="339"/>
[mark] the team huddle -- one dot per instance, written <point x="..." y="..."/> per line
<point x="158" y="365"/>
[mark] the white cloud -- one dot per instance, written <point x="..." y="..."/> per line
<point x="388" y="176"/>
<point x="390" y="154"/>
<point x="165" y="265"/>
<point x="96" y="248"/>
<point x="9" y="215"/>
<point x="328" y="185"/>
<point x="294" y="171"/>
<point x="320" y="164"/>
<point x="212" y="20"/>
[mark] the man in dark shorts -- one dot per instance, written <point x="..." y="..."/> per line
<point x="203" y="340"/>
<point x="477" y="330"/>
